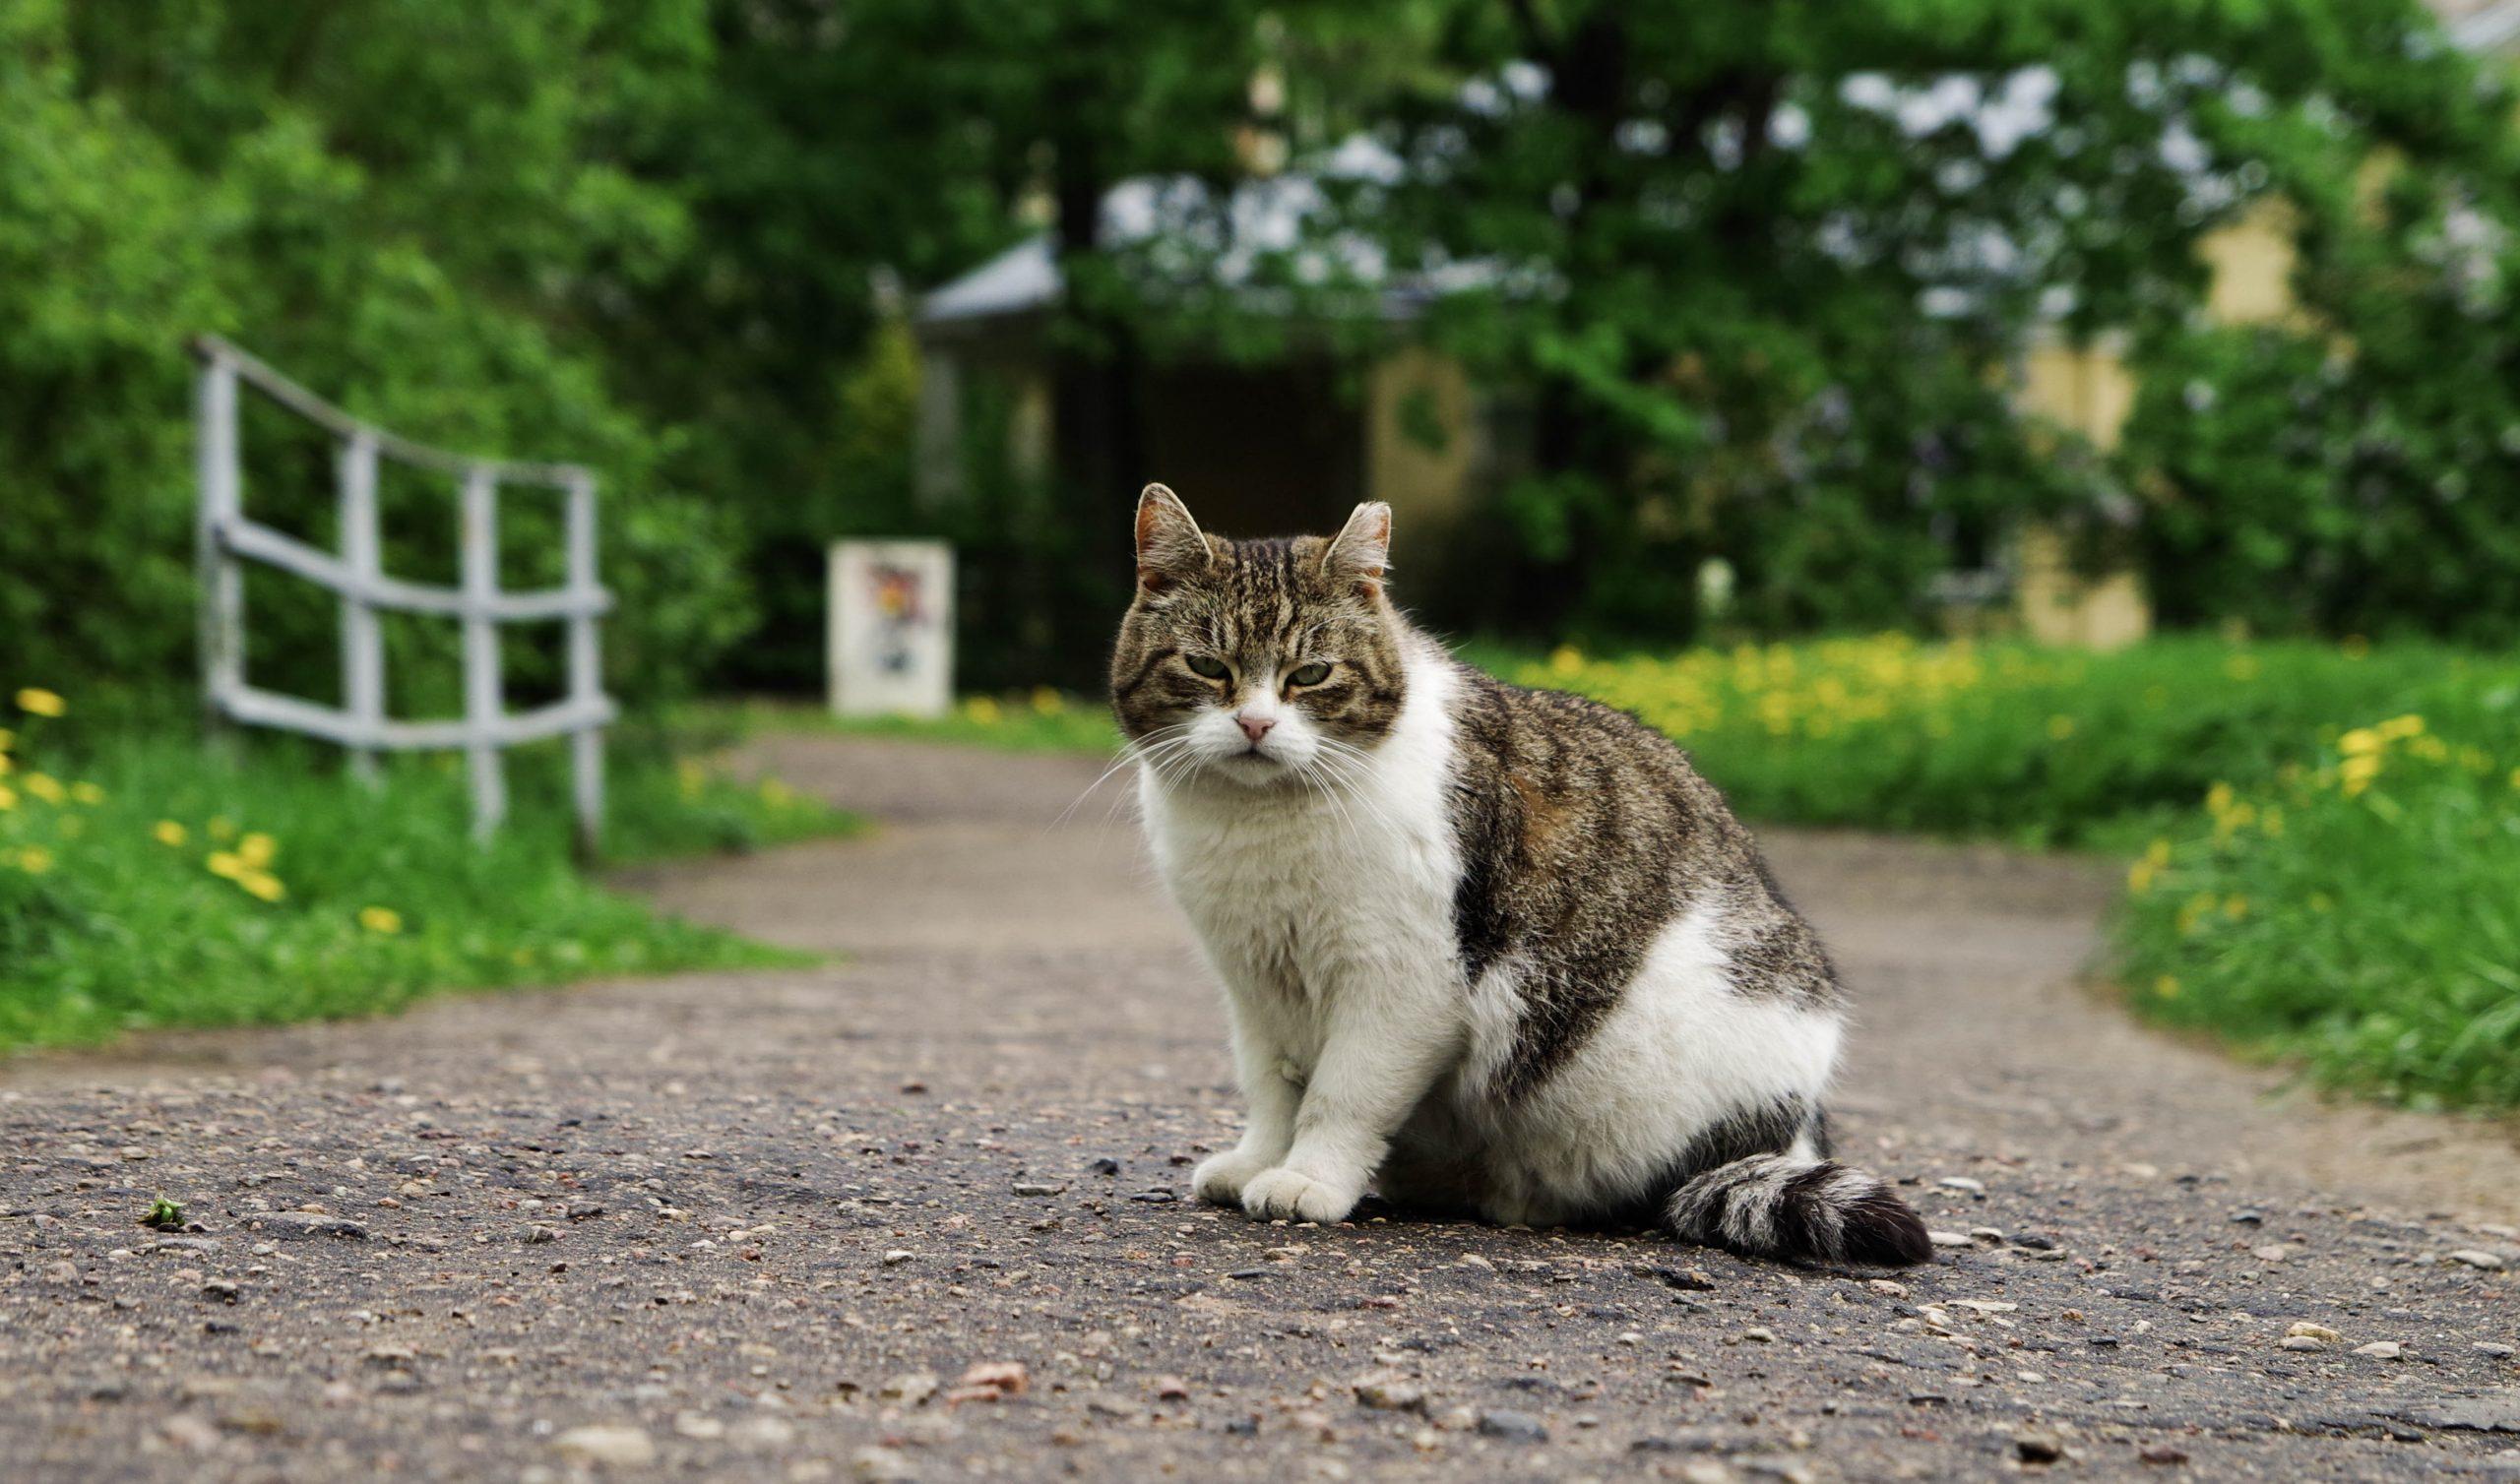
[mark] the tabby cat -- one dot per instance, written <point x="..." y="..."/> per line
<point x="1488" y="949"/>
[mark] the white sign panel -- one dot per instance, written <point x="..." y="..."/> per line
<point x="891" y="628"/>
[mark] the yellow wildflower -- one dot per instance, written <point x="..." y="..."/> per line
<point x="2060" y="727"/>
<point x="6" y="767"/>
<point x="87" y="793"/>
<point x="2158" y="853"/>
<point x="983" y="711"/>
<point x="2400" y="727"/>
<point x="226" y="864"/>
<point x="257" y="849"/>
<point x="383" y="920"/>
<point x="2355" y="775"/>
<point x="38" y="702"/>
<point x="46" y="787"/>
<point x="8" y="739"/>
<point x="2236" y="908"/>
<point x="1565" y="660"/>
<point x="9" y="796"/>
<point x="2167" y="986"/>
<point x="1047" y="701"/>
<point x="776" y="794"/>
<point x="2139" y="877"/>
<point x="2358" y="741"/>
<point x="261" y="883"/>
<point x="35" y="860"/>
<point x="168" y="832"/>
<point x="690" y="777"/>
<point x="2218" y="798"/>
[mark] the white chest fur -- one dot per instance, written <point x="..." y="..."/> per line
<point x="1301" y="894"/>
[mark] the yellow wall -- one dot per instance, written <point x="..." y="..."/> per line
<point x="2089" y="389"/>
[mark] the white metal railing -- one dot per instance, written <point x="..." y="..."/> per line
<point x="357" y="575"/>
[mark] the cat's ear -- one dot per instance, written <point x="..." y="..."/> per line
<point x="1170" y="545"/>
<point x="1362" y="551"/>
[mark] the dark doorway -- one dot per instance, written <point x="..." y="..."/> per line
<point x="1273" y="451"/>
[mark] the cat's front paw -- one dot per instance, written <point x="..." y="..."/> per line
<point x="1287" y="1195"/>
<point x="1219" y="1178"/>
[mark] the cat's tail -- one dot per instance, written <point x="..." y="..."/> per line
<point x="1798" y="1210"/>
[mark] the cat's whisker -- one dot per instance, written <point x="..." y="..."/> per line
<point x="1130" y="751"/>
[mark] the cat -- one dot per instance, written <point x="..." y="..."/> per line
<point x="1496" y="951"/>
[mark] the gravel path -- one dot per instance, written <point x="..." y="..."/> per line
<point x="918" y="1214"/>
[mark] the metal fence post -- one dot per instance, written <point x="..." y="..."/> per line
<point x="222" y="579"/>
<point x="226" y="539"/>
<point x="585" y="669"/>
<point x="481" y="686"/>
<point x="362" y="633"/>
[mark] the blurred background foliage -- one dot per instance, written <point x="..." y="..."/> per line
<point x="1750" y="271"/>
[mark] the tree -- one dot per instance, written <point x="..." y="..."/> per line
<point x="1757" y="260"/>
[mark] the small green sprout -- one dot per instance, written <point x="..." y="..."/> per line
<point x="165" y="1215"/>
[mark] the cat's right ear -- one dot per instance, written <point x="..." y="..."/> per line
<point x="1170" y="548"/>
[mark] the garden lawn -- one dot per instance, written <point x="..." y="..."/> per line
<point x="147" y="882"/>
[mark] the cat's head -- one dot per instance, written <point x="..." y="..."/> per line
<point x="1266" y="663"/>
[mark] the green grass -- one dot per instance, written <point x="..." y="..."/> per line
<point x="2360" y="914"/>
<point x="2040" y="746"/>
<point x="146" y="881"/>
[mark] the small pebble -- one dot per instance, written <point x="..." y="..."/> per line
<point x="1518" y="1426"/>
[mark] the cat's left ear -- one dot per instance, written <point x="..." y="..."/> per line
<point x="1362" y="551"/>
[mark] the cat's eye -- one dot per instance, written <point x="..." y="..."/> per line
<point x="1206" y="666"/>
<point x="1312" y="675"/>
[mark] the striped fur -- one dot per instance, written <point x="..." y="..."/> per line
<point x="1801" y="1210"/>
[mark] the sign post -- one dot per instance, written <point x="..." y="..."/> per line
<point x="891" y="628"/>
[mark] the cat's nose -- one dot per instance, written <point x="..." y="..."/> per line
<point x="1255" y="727"/>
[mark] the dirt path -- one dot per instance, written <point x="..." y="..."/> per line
<point x="747" y="1226"/>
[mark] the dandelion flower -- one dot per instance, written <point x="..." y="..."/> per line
<point x="9" y="796"/>
<point x="982" y="709"/>
<point x="2358" y="741"/>
<point x="38" y="702"/>
<point x="35" y="860"/>
<point x="226" y="864"/>
<point x="383" y="920"/>
<point x="2167" y="986"/>
<point x="257" y="849"/>
<point x="46" y="787"/>
<point x="168" y="832"/>
<point x="87" y="793"/>
<point x="262" y="884"/>
<point x="8" y="739"/>
<point x="1047" y="701"/>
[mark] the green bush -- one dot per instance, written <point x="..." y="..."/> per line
<point x="404" y="209"/>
